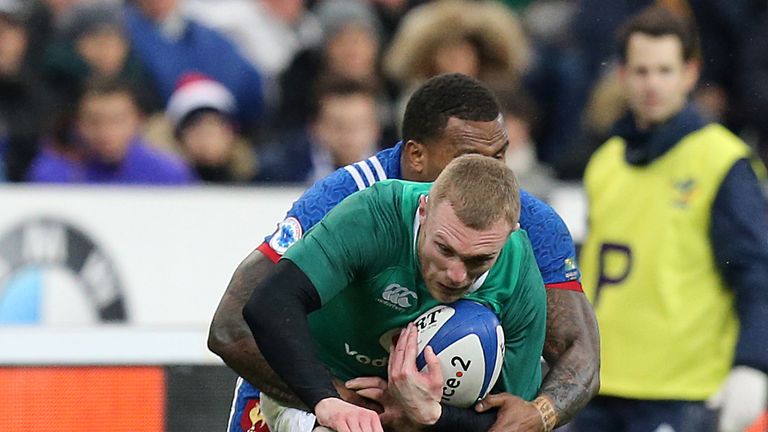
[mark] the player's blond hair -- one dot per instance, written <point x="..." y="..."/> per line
<point x="481" y="190"/>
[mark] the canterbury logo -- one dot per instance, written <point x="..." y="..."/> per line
<point x="398" y="296"/>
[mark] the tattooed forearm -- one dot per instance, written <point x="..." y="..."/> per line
<point x="231" y="339"/>
<point x="572" y="349"/>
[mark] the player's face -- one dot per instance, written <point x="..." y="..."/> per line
<point x="452" y="256"/>
<point x="465" y="137"/>
<point x="656" y="78"/>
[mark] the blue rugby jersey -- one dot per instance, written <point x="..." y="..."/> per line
<point x="552" y="244"/>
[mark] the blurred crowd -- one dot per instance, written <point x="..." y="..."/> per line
<point x="244" y="91"/>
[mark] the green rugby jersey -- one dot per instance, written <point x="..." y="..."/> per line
<point x="363" y="262"/>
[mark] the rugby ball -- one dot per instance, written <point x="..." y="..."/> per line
<point x="469" y="342"/>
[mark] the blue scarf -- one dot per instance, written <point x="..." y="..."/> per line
<point x="643" y="147"/>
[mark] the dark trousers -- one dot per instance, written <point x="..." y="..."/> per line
<point x="611" y="414"/>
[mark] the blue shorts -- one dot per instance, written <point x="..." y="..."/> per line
<point x="245" y="415"/>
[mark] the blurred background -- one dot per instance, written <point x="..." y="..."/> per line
<point x="218" y="113"/>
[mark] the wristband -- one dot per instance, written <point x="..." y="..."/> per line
<point x="547" y="412"/>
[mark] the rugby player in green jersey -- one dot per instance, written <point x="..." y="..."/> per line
<point x="447" y="116"/>
<point x="325" y="296"/>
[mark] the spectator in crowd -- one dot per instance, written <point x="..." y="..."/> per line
<point x="92" y="42"/>
<point x="519" y="113"/>
<point x="350" y="49"/>
<point x="203" y="114"/>
<point x="268" y="32"/>
<point x="170" y="45"/>
<point x="106" y="146"/>
<point x="676" y="259"/>
<point x="482" y="39"/>
<point x="344" y="129"/>
<point x="24" y="107"/>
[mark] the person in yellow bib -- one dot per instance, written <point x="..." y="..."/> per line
<point x="676" y="258"/>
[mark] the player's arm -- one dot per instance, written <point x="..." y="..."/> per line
<point x="277" y="316"/>
<point x="349" y="243"/>
<point x="231" y="339"/>
<point x="572" y="345"/>
<point x="229" y="336"/>
<point x="572" y="349"/>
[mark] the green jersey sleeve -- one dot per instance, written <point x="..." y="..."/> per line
<point x="524" y="318"/>
<point x="352" y="241"/>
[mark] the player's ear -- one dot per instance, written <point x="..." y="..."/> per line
<point x="516" y="227"/>
<point x="415" y="153"/>
<point x="422" y="208"/>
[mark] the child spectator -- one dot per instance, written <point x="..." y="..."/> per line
<point x="203" y="113"/>
<point x="106" y="145"/>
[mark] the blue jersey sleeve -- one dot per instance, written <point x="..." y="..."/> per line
<point x="326" y="193"/>
<point x="313" y="205"/>
<point x="552" y="243"/>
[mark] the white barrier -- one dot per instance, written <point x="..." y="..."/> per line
<point x="169" y="251"/>
<point x="128" y="275"/>
<point x="157" y="260"/>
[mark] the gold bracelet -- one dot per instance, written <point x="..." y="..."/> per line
<point x="547" y="412"/>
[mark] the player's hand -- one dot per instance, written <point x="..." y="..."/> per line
<point x="741" y="399"/>
<point x="349" y="394"/>
<point x="418" y="393"/>
<point x="342" y="416"/>
<point x="514" y="414"/>
<point x="376" y="389"/>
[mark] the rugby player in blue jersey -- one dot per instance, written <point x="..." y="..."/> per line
<point x="446" y="117"/>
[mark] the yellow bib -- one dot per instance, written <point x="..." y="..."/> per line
<point x="667" y="323"/>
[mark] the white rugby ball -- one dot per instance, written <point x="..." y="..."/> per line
<point x="469" y="342"/>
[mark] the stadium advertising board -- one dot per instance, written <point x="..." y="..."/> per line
<point x="155" y="260"/>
